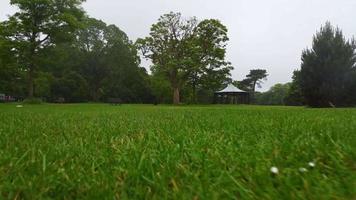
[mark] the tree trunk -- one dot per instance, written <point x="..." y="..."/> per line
<point x="30" y="87"/>
<point x="194" y="97"/>
<point x="252" y="92"/>
<point x="176" y="96"/>
<point x="31" y="70"/>
<point x="254" y="86"/>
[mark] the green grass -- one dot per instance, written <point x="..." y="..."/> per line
<point x="96" y="151"/>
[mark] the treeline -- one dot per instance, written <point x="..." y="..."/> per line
<point x="54" y="51"/>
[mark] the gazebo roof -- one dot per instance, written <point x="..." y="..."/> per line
<point x="231" y="89"/>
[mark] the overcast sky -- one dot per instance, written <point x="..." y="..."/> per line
<point x="269" y="34"/>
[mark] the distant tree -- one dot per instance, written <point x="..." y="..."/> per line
<point x="39" y="24"/>
<point x="208" y="69"/>
<point x="126" y="79"/>
<point x="110" y="63"/>
<point x="103" y="56"/>
<point x="257" y="76"/>
<point x="328" y="69"/>
<point x="186" y="51"/>
<point x="253" y="79"/>
<point x="71" y="86"/>
<point x="245" y="84"/>
<point x="92" y="44"/>
<point x="294" y="96"/>
<point x="274" y="96"/>
<point x="166" y="47"/>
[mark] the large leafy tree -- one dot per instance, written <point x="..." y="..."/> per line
<point x="110" y="63"/>
<point x="92" y="43"/>
<point x="208" y="69"/>
<point x="185" y="51"/>
<point x="166" y="47"/>
<point x="328" y="69"/>
<point x="39" y="24"/>
<point x="7" y="68"/>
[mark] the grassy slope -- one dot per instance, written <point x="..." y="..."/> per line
<point x="212" y="152"/>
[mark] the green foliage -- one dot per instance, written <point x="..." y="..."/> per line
<point x="257" y="76"/>
<point x="253" y="79"/>
<point x="98" y="63"/>
<point x="208" y="70"/>
<point x="72" y="87"/>
<point x="328" y="69"/>
<point x="161" y="88"/>
<point x="245" y="84"/>
<point x="110" y="64"/>
<point x="11" y="77"/>
<point x="43" y="84"/>
<point x="275" y="96"/>
<point x="162" y="152"/>
<point x="36" y="25"/>
<point x="33" y="101"/>
<point x="189" y="53"/>
<point x="294" y="96"/>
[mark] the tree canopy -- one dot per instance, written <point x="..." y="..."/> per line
<point x="37" y="25"/>
<point x="53" y="50"/>
<point x="327" y="76"/>
<point x="276" y="95"/>
<point x="63" y="54"/>
<point x="187" y="52"/>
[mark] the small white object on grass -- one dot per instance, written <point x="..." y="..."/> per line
<point x="19" y="106"/>
<point x="302" y="169"/>
<point x="274" y="170"/>
<point x="311" y="164"/>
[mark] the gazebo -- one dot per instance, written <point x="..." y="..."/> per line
<point x="232" y="95"/>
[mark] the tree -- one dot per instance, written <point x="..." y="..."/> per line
<point x="257" y="76"/>
<point x="37" y="25"/>
<point x="92" y="44"/>
<point x="125" y="79"/>
<point x="208" y="70"/>
<point x="245" y="84"/>
<point x="328" y="68"/>
<point x="253" y="79"/>
<point x="110" y="63"/>
<point x="274" y="96"/>
<point x="161" y="88"/>
<point x="294" y="96"/>
<point x="166" y="47"/>
<point x="185" y="51"/>
<point x="71" y="86"/>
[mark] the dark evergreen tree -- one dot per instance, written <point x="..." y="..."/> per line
<point x="328" y="69"/>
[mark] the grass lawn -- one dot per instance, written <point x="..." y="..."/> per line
<point x="97" y="151"/>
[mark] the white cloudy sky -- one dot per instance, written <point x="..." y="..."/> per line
<point x="268" y="34"/>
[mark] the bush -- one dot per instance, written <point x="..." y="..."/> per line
<point x="33" y="101"/>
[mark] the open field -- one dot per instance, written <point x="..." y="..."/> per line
<point x="90" y="151"/>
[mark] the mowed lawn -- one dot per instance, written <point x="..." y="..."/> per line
<point x="98" y="151"/>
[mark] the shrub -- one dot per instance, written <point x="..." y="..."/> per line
<point x="33" y="101"/>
